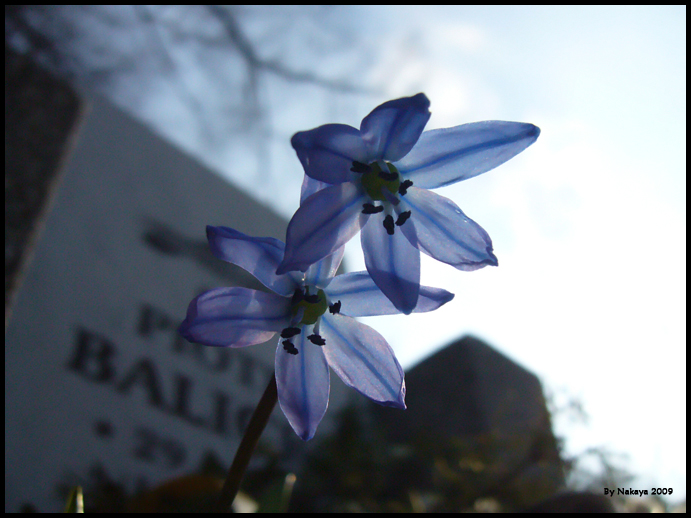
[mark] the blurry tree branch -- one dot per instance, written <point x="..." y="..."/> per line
<point x="158" y="47"/>
<point x="72" y="41"/>
<point x="218" y="62"/>
<point x="15" y="22"/>
<point x="245" y="47"/>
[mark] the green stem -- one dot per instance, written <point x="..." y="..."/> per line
<point x="242" y="458"/>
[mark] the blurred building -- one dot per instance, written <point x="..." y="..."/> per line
<point x="467" y="389"/>
<point x="489" y="418"/>
<point x="476" y="436"/>
<point x="108" y="249"/>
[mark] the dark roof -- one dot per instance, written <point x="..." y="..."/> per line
<point x="468" y="388"/>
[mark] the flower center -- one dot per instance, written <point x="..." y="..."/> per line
<point x="314" y="305"/>
<point x="376" y="179"/>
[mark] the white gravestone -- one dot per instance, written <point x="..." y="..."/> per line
<point x="96" y="377"/>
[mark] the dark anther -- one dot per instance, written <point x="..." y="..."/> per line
<point x="389" y="177"/>
<point x="316" y="339"/>
<point x="388" y="224"/>
<point x="368" y="208"/>
<point x="402" y="218"/>
<point x="335" y="307"/>
<point x="403" y="188"/>
<point x="359" y="167"/>
<point x="290" y="332"/>
<point x="297" y="297"/>
<point x="289" y="347"/>
<point x="312" y="299"/>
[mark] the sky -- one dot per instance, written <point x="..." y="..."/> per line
<point x="588" y="224"/>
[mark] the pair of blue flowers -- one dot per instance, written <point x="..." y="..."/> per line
<point x="374" y="180"/>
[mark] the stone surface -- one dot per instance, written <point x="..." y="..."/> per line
<point x="99" y="387"/>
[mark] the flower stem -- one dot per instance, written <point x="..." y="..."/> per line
<point x="242" y="458"/>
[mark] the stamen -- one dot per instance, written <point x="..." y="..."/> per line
<point x="391" y="197"/>
<point x="368" y="208"/>
<point x="290" y="332"/>
<point x="297" y="297"/>
<point x="298" y="316"/>
<point x="403" y="188"/>
<point x="335" y="307"/>
<point x="315" y="329"/>
<point x="388" y="224"/>
<point x="312" y="299"/>
<point x="289" y="347"/>
<point x="316" y="339"/>
<point x="359" y="167"/>
<point x="402" y="218"/>
<point x="389" y="177"/>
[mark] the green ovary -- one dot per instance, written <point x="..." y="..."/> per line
<point x="313" y="310"/>
<point x="374" y="183"/>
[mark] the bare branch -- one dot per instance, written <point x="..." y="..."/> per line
<point x="245" y="48"/>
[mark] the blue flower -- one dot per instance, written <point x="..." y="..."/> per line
<point x="313" y="313"/>
<point x="375" y="179"/>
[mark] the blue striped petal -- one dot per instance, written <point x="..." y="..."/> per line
<point x="235" y="317"/>
<point x="321" y="273"/>
<point x="392" y="129"/>
<point x="363" y="360"/>
<point x="259" y="256"/>
<point x="360" y="296"/>
<point x="393" y="262"/>
<point x="324" y="222"/>
<point x="327" y="152"/>
<point x="445" y="156"/>
<point x="445" y="233"/>
<point x="302" y="380"/>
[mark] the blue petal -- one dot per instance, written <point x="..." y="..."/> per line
<point x="445" y="156"/>
<point x="392" y="129"/>
<point x="324" y="222"/>
<point x="445" y="233"/>
<point x="235" y="317"/>
<point x="393" y="263"/>
<point x="363" y="360"/>
<point x="259" y="256"/>
<point x="360" y="297"/>
<point x="322" y="272"/>
<point x="303" y="385"/>
<point x="311" y="186"/>
<point x="327" y="152"/>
